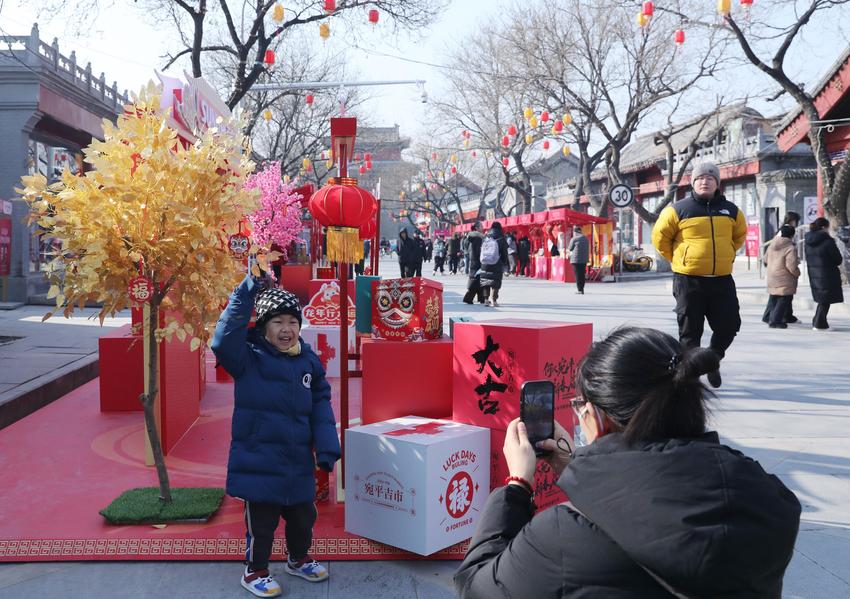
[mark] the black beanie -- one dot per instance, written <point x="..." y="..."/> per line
<point x="274" y="302"/>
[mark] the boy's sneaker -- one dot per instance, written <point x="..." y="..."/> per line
<point x="261" y="583"/>
<point x="308" y="569"/>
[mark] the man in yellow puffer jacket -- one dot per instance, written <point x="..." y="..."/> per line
<point x="700" y="235"/>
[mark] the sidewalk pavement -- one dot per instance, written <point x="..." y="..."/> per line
<point x="785" y="401"/>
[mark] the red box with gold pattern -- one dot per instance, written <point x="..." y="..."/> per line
<point x="493" y="359"/>
<point x="409" y="309"/>
<point x="546" y="490"/>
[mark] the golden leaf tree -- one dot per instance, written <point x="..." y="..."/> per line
<point x="151" y="206"/>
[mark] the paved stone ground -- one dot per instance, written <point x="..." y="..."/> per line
<point x="785" y="401"/>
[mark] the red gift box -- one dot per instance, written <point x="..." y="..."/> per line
<point x="409" y="309"/>
<point x="546" y="490"/>
<point x="493" y="359"/>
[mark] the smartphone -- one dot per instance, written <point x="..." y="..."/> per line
<point x="537" y="411"/>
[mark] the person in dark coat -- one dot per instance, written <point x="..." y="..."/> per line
<point x="822" y="261"/>
<point x="429" y="249"/>
<point x="474" y="239"/>
<point x="408" y="251"/>
<point x="282" y="414"/>
<point x="523" y="250"/>
<point x="493" y="267"/>
<point x="658" y="506"/>
<point x="454" y="253"/>
<point x="421" y="249"/>
<point x="579" y="250"/>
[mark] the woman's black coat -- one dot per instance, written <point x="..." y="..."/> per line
<point x="822" y="261"/>
<point x="491" y="274"/>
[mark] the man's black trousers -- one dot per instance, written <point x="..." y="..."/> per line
<point x="261" y="520"/>
<point x="707" y="298"/>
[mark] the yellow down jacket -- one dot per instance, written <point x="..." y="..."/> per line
<point x="700" y="237"/>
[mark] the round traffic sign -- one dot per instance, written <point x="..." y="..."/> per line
<point x="621" y="196"/>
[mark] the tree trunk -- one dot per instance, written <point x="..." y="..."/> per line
<point x="148" y="400"/>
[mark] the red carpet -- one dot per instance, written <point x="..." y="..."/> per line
<point x="62" y="464"/>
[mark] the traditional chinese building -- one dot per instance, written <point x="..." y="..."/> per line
<point x="50" y="108"/>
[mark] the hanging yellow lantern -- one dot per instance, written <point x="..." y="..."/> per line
<point x="466" y="143"/>
<point x="529" y="138"/>
<point x="277" y="14"/>
<point x="532" y="122"/>
<point x="324" y="31"/>
<point x="441" y="175"/>
<point x="427" y="205"/>
<point x="267" y="114"/>
<point x="528" y="113"/>
<point x="565" y="151"/>
<point x="567" y="118"/>
<point x="306" y="164"/>
<point x="329" y="164"/>
<point x="642" y="19"/>
<point x="724" y="7"/>
<point x="454" y="158"/>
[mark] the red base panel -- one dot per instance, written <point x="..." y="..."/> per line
<point x="56" y="477"/>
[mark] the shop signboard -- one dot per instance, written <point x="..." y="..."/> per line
<point x="5" y="246"/>
<point x="752" y="241"/>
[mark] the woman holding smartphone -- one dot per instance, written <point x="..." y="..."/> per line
<point x="658" y="507"/>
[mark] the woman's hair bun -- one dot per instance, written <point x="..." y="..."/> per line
<point x="695" y="363"/>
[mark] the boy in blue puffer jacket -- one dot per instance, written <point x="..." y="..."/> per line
<point x="282" y="412"/>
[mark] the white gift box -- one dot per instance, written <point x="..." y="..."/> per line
<point x="416" y="483"/>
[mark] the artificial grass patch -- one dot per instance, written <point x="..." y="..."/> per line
<point x="142" y="506"/>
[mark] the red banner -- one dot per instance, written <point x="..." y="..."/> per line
<point x="5" y="247"/>
<point x="752" y="243"/>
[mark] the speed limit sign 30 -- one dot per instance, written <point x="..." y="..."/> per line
<point x="621" y="196"/>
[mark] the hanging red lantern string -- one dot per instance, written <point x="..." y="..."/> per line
<point x="544" y="117"/>
<point x="343" y="208"/>
<point x="269" y="57"/>
<point x="558" y="127"/>
<point x="362" y="170"/>
<point x="368" y="165"/>
<point x="546" y="144"/>
<point x="309" y="99"/>
<point x="679" y="37"/>
<point x="373" y="16"/>
<point x="506" y="141"/>
<point x="454" y="170"/>
<point x="512" y="130"/>
<point x="367" y="156"/>
<point x="505" y="162"/>
<point x="648" y="9"/>
<point x="330" y="5"/>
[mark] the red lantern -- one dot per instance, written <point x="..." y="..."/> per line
<point x="343" y="208"/>
<point x="373" y="16"/>
<point x="546" y="144"/>
<point x="506" y="141"/>
<point x="368" y="165"/>
<point x="544" y="116"/>
<point x="474" y="153"/>
<point x="368" y="229"/>
<point x="269" y="58"/>
<point x="512" y="131"/>
<point x="367" y="156"/>
<point x="433" y="155"/>
<point x="454" y="170"/>
<point x="505" y="162"/>
<point x="649" y="8"/>
<point x="747" y="3"/>
<point x="362" y="169"/>
<point x="679" y="37"/>
<point x="309" y="99"/>
<point x="558" y="126"/>
<point x="330" y="5"/>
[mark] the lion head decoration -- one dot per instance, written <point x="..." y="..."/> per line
<point x="396" y="303"/>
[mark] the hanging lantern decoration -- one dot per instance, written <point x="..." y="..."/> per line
<point x="453" y="158"/>
<point x="724" y="7"/>
<point x="544" y="116"/>
<point x="529" y="139"/>
<point x="367" y="156"/>
<point x="277" y="13"/>
<point x="434" y="155"/>
<point x="532" y="122"/>
<point x="330" y="5"/>
<point x="329" y="164"/>
<point x="546" y="144"/>
<point x="374" y="15"/>
<point x="427" y="205"/>
<point x="324" y="31"/>
<point x="679" y="37"/>
<point x="466" y="144"/>
<point x="506" y="141"/>
<point x="505" y="162"/>
<point x="567" y="119"/>
<point x="368" y="229"/>
<point x="528" y="113"/>
<point x="512" y="130"/>
<point x="269" y="58"/>
<point x="343" y="208"/>
<point x="454" y="170"/>
<point x="474" y="154"/>
<point x="642" y="19"/>
<point x="267" y="114"/>
<point x="309" y="99"/>
<point x="306" y="165"/>
<point x="368" y="165"/>
<point x="648" y="9"/>
<point x="747" y="4"/>
<point x="362" y="169"/>
<point x="565" y="151"/>
<point x="558" y="127"/>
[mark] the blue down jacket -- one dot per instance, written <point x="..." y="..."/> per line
<point x="282" y="411"/>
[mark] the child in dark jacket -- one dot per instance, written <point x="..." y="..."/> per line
<point x="282" y="412"/>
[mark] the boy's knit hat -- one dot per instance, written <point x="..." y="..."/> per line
<point x="274" y="302"/>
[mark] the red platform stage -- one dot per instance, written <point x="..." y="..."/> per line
<point x="62" y="464"/>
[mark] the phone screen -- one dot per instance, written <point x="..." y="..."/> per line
<point x="537" y="410"/>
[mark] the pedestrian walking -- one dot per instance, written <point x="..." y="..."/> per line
<point x="823" y="259"/>
<point x="408" y="250"/>
<point x="454" y="252"/>
<point x="512" y="250"/>
<point x="472" y="257"/>
<point x="704" y="520"/>
<point x="429" y="249"/>
<point x="700" y="235"/>
<point x="782" y="274"/>
<point x="439" y="255"/>
<point x="282" y="415"/>
<point x="494" y="261"/>
<point x="420" y="253"/>
<point x="579" y="250"/>
<point x="523" y="251"/>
